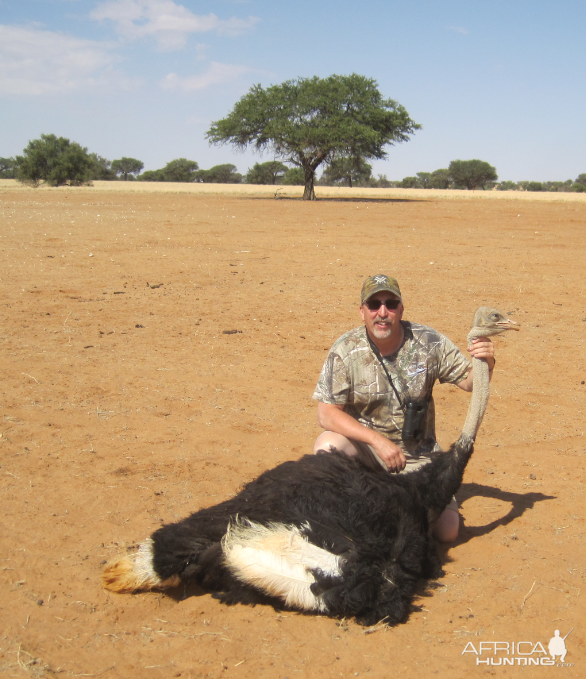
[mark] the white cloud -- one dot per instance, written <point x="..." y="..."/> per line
<point x="215" y="74"/>
<point x="35" y="62"/>
<point x="201" y="51"/>
<point x="165" y="21"/>
<point x="459" y="29"/>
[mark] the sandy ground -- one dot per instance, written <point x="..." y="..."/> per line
<point x="124" y="406"/>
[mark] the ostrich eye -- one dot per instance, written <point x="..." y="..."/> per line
<point x="495" y="317"/>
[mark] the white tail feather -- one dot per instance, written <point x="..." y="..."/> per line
<point x="278" y="559"/>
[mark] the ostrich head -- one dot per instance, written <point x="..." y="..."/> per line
<point x="488" y="322"/>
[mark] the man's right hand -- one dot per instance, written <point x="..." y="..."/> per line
<point x="333" y="418"/>
<point x="390" y="453"/>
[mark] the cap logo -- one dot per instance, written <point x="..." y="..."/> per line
<point x="380" y="279"/>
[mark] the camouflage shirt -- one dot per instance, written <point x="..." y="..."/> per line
<point x="353" y="376"/>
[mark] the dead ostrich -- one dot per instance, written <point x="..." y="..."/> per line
<point x="324" y="533"/>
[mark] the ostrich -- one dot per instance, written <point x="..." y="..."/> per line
<point x="323" y="533"/>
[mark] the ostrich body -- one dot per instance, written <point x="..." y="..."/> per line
<point x="324" y="533"/>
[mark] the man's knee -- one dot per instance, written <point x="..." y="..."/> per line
<point x="328" y="441"/>
<point x="447" y="526"/>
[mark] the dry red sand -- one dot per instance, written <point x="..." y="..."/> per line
<point x="125" y="406"/>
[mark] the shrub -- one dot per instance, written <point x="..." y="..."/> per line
<point x="54" y="160"/>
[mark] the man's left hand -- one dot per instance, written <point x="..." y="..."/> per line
<point x="482" y="347"/>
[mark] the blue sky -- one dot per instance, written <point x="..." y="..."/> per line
<point x="503" y="81"/>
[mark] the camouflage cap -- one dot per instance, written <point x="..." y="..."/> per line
<point x="379" y="283"/>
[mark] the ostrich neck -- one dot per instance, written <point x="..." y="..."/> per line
<point x="480" y="390"/>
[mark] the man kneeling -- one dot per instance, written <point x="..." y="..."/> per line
<point x="375" y="389"/>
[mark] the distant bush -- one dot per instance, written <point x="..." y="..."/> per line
<point x="7" y="168"/>
<point x="294" y="176"/>
<point x="381" y="182"/>
<point x="471" y="174"/>
<point x="180" y="170"/>
<point x="219" y="174"/>
<point x="507" y="186"/>
<point x="152" y="176"/>
<point x="409" y="183"/>
<point x="580" y="184"/>
<point x="534" y="186"/>
<point x="438" y="179"/>
<point x="101" y="168"/>
<point x="271" y="172"/>
<point x="346" y="172"/>
<point x="55" y="161"/>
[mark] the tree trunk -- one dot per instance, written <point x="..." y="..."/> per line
<point x="309" y="193"/>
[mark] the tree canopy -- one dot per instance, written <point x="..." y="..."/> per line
<point x="127" y="167"/>
<point x="310" y="121"/>
<point x="54" y="160"/>
<point x="471" y="174"/>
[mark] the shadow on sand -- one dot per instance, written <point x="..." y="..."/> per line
<point x="520" y="502"/>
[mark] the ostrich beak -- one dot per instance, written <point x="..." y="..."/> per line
<point x="508" y="325"/>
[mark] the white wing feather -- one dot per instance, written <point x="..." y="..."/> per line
<point x="278" y="560"/>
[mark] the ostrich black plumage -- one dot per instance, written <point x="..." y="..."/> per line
<point x="323" y="533"/>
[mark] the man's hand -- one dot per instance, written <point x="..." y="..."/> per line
<point x="482" y="347"/>
<point x="390" y="453"/>
<point x="333" y="418"/>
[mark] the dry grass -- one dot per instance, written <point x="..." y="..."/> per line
<point x="262" y="191"/>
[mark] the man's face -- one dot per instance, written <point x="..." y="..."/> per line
<point x="383" y="322"/>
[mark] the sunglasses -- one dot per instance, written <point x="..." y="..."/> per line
<point x="375" y="304"/>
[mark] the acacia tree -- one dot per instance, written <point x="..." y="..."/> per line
<point x="310" y="121"/>
<point x="127" y="166"/>
<point x="470" y="174"/>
